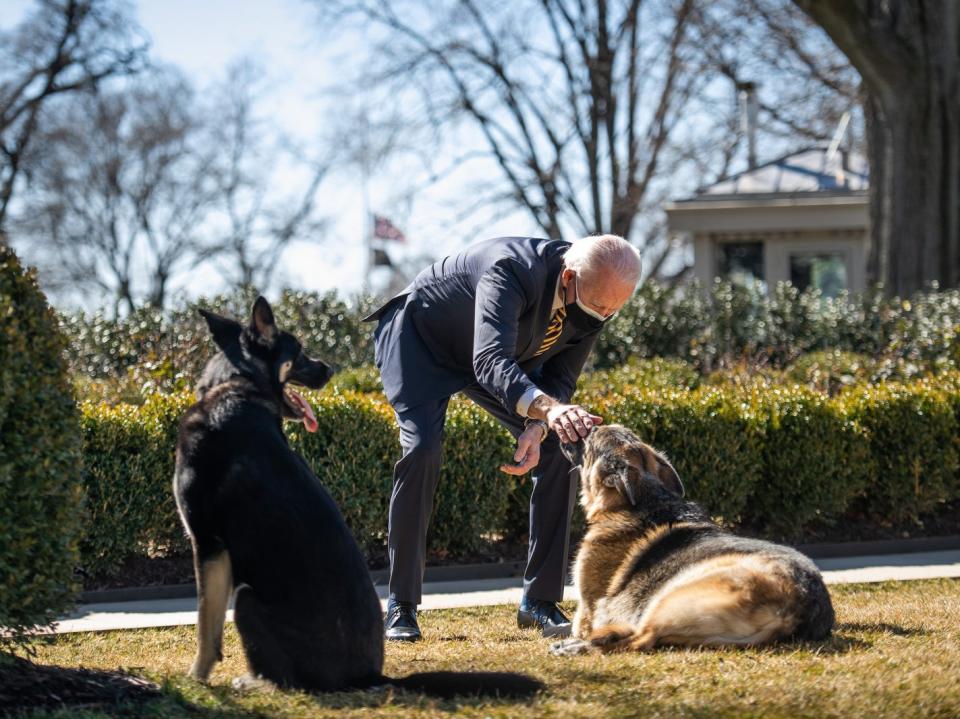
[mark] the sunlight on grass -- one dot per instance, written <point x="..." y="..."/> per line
<point x="895" y="653"/>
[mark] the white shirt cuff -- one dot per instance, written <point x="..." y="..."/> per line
<point x="526" y="399"/>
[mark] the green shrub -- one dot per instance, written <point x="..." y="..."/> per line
<point x="128" y="472"/>
<point x="913" y="435"/>
<point x="815" y="460"/>
<point x="151" y="350"/>
<point x="746" y="377"/>
<point x="711" y="437"/>
<point x="720" y="327"/>
<point x="776" y="459"/>
<point x="359" y="379"/>
<point x="357" y="444"/>
<point x="830" y="371"/>
<point x="130" y="456"/>
<point x="474" y="494"/>
<point x="656" y="373"/>
<point x="40" y="489"/>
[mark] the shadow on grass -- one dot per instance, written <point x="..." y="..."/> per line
<point x="883" y="628"/>
<point x="836" y="643"/>
<point x="241" y="704"/>
<point x="842" y="640"/>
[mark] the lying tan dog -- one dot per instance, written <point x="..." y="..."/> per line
<point x="654" y="569"/>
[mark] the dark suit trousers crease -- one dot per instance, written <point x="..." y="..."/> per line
<point x="415" y="481"/>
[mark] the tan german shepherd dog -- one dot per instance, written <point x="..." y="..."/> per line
<point x="654" y="569"/>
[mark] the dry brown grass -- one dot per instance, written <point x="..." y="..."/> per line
<point x="895" y="653"/>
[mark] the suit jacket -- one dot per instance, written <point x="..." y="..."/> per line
<point x="479" y="317"/>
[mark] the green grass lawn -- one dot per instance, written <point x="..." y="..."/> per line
<point x="895" y="653"/>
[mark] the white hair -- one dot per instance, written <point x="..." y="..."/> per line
<point x="602" y="254"/>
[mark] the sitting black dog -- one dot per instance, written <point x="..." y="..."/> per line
<point x="260" y="520"/>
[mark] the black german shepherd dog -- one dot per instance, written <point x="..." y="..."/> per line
<point x="260" y="521"/>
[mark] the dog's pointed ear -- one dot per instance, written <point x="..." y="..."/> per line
<point x="668" y="476"/>
<point x="261" y="320"/>
<point x="619" y="479"/>
<point x="225" y="331"/>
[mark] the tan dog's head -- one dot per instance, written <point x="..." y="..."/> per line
<point x="618" y="470"/>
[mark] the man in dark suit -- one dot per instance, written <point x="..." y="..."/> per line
<point x="509" y="322"/>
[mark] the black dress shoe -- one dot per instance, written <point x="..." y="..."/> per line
<point x="401" y="622"/>
<point x="545" y="616"/>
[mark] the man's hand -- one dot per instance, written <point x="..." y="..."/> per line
<point x="571" y="421"/>
<point x="527" y="455"/>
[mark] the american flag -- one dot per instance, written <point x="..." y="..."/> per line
<point x="383" y="229"/>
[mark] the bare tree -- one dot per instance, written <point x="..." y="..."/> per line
<point x="804" y="83"/>
<point x="258" y="222"/>
<point x="120" y="193"/>
<point x="63" y="46"/>
<point x="575" y="103"/>
<point x="908" y="54"/>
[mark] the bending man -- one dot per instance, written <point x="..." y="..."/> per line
<point x="509" y="322"/>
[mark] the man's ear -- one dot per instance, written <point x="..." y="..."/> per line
<point x="261" y="320"/>
<point x="225" y="331"/>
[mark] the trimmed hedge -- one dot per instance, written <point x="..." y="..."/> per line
<point x="913" y="435"/>
<point x="40" y="487"/>
<point x="712" y="438"/>
<point x="776" y="459"/>
<point x="816" y="459"/>
<point x="128" y="473"/>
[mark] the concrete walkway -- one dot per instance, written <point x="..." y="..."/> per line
<point x="483" y="592"/>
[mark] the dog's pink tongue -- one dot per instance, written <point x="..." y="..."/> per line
<point x="309" y="418"/>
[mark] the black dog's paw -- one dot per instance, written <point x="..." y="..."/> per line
<point x="249" y="683"/>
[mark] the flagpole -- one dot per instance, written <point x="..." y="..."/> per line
<point x="366" y="225"/>
<point x="367" y="229"/>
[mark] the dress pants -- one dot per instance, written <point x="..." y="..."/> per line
<point x="415" y="479"/>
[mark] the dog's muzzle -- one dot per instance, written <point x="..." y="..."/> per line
<point x="573" y="451"/>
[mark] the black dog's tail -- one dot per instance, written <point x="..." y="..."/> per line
<point x="447" y="685"/>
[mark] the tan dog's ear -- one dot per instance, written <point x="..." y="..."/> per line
<point x="668" y="476"/>
<point x="617" y="476"/>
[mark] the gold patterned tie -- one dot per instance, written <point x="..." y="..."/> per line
<point x="553" y="330"/>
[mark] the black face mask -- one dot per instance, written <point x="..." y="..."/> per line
<point x="581" y="320"/>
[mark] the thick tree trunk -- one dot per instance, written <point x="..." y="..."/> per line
<point x="878" y="150"/>
<point x="907" y="54"/>
<point x="923" y="203"/>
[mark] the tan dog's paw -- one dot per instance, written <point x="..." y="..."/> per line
<point x="569" y="648"/>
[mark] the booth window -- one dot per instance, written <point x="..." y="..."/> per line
<point x="742" y="262"/>
<point x="826" y="272"/>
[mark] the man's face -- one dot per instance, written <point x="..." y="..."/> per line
<point x="604" y="293"/>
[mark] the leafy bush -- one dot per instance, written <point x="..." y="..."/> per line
<point x="130" y="358"/>
<point x="731" y="324"/>
<point x="129" y="466"/>
<point x="776" y="459"/>
<point x="40" y="489"/>
<point x="728" y="326"/>
<point x="360" y="379"/>
<point x="830" y="371"/>
<point x="816" y="459"/>
<point x="657" y="373"/>
<point x="711" y="437"/>
<point x="128" y="473"/>
<point x="914" y="441"/>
